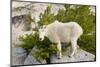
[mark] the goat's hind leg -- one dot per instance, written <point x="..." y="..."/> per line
<point x="74" y="47"/>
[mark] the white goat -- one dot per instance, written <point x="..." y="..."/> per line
<point x="62" y="32"/>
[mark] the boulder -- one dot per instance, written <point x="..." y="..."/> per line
<point x="32" y="60"/>
<point x="80" y="56"/>
<point x="18" y="56"/>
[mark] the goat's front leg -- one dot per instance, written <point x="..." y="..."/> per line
<point x="59" y="52"/>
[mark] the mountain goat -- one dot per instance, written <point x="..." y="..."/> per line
<point x="62" y="32"/>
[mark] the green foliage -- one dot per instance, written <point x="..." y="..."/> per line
<point x="88" y="43"/>
<point x="80" y="14"/>
<point x="77" y="13"/>
<point x="44" y="48"/>
<point x="28" y="41"/>
<point x="47" y="17"/>
<point x="61" y="15"/>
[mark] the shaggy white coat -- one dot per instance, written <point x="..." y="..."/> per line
<point x="63" y="32"/>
